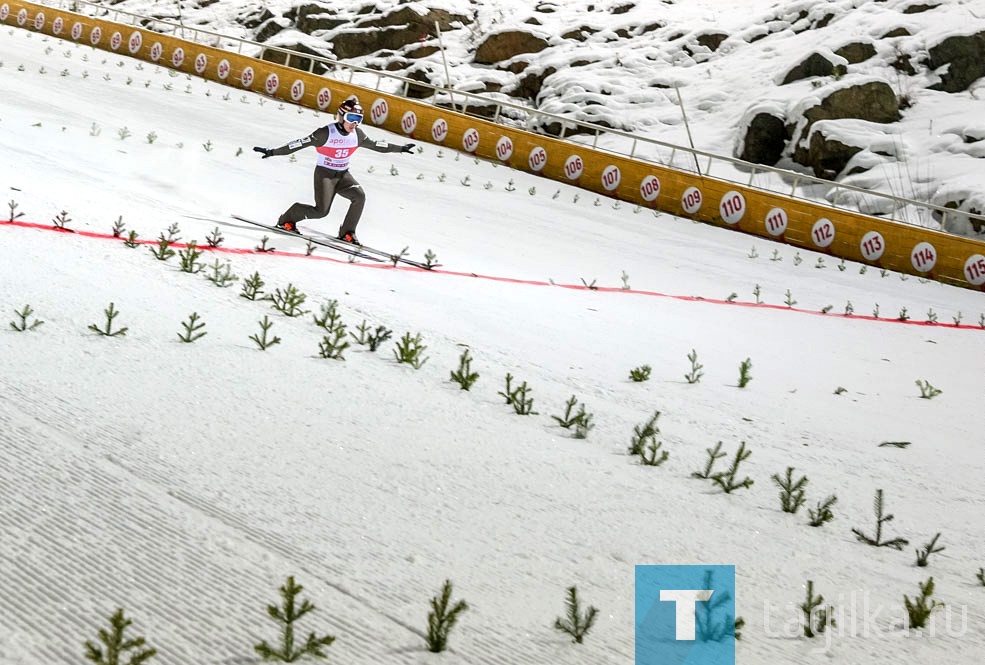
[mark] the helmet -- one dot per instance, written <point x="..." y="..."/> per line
<point x="350" y="111"/>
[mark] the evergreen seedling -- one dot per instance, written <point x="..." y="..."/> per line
<point x="823" y="513"/>
<point x="640" y="374"/>
<point x="371" y="339"/>
<point x="430" y="259"/>
<point x="744" y="376"/>
<point x="508" y="395"/>
<point x="442" y="618"/>
<point x="289" y="301"/>
<point x="714" y="454"/>
<point x="927" y="391"/>
<point x="877" y="541"/>
<point x="523" y="405"/>
<point x="695" y="374"/>
<point x="583" y="424"/>
<point x="189" y="258"/>
<point x="727" y="480"/>
<point x="131" y="240"/>
<point x="789" y="299"/>
<point x="117" y="649"/>
<point x="410" y="350"/>
<point x="817" y="616"/>
<point x="708" y="627"/>
<point x="921" y="607"/>
<point x="163" y="251"/>
<point x="13" y="211"/>
<point x="252" y="287"/>
<point x="262" y="340"/>
<point x="334" y="343"/>
<point x="581" y="421"/>
<point x="981" y="576"/>
<point x="928" y="549"/>
<point x="193" y="329"/>
<point x="791" y="491"/>
<point x="214" y="239"/>
<point x="221" y="274"/>
<point x="108" y="331"/>
<point x="464" y="376"/>
<point x="61" y="221"/>
<point x="576" y="624"/>
<point x="395" y="258"/>
<point x="262" y="247"/>
<point x="22" y="325"/>
<point x="286" y="616"/>
<point x="118" y="227"/>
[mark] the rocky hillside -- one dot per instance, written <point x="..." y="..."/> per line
<point x="881" y="94"/>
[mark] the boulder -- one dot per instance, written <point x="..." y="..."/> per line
<point x="856" y="52"/>
<point x="825" y="155"/>
<point x="504" y="45"/>
<point x="392" y="31"/>
<point x="813" y="65"/>
<point x="874" y="101"/>
<point x="965" y="58"/>
<point x="764" y="140"/>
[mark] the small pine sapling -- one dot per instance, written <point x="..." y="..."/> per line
<point x="817" y="616"/>
<point x="371" y="339"/>
<point x="981" y="576"/>
<point x="442" y="618"/>
<point x="118" y="227"/>
<point x="252" y="287"/>
<point x="221" y="274"/>
<point x="430" y="259"/>
<point x="163" y="251"/>
<point x="193" y="329"/>
<point x="261" y="339"/>
<point x="928" y="549"/>
<point x="22" y="325"/>
<point x="117" y="647"/>
<point x="927" y="391"/>
<point x="581" y="421"/>
<point x="576" y="624"/>
<point x="644" y="442"/>
<point x="262" y="247"/>
<point x="744" y="376"/>
<point x="215" y="238"/>
<point x="111" y="313"/>
<point x="877" y="541"/>
<point x="714" y="454"/>
<point x="131" y="240"/>
<point x="289" y="301"/>
<point x="395" y="258"/>
<point x="640" y="374"/>
<point x="334" y="343"/>
<point x="695" y="374"/>
<point x="464" y="376"/>
<point x="921" y="607"/>
<point x="410" y="351"/>
<point x="791" y="491"/>
<point x="189" y="258"/>
<point x="61" y="222"/>
<point x="13" y="211"/>
<point x="789" y="299"/>
<point x="509" y="393"/>
<point x="522" y="404"/>
<point x="823" y="513"/>
<point x="286" y="616"/>
<point x="712" y="623"/>
<point x="727" y="479"/>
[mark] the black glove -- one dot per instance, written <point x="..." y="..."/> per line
<point x="266" y="151"/>
<point x="408" y="148"/>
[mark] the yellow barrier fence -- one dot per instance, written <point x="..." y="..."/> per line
<point x="870" y="240"/>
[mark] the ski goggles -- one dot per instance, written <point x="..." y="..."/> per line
<point x="353" y="117"/>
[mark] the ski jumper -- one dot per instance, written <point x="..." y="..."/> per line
<point x="335" y="148"/>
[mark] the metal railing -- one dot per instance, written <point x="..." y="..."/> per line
<point x="783" y="182"/>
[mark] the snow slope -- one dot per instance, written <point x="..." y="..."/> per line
<point x="185" y="482"/>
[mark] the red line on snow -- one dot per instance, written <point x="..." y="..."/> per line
<point x="495" y="278"/>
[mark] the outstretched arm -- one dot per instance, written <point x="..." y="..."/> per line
<point x="315" y="138"/>
<point x="381" y="146"/>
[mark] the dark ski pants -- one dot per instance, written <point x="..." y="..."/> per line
<point x="328" y="183"/>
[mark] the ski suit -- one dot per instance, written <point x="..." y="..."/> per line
<point x="335" y="148"/>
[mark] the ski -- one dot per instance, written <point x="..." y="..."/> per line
<point x="362" y="251"/>
<point x="386" y="256"/>
<point x="344" y="247"/>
